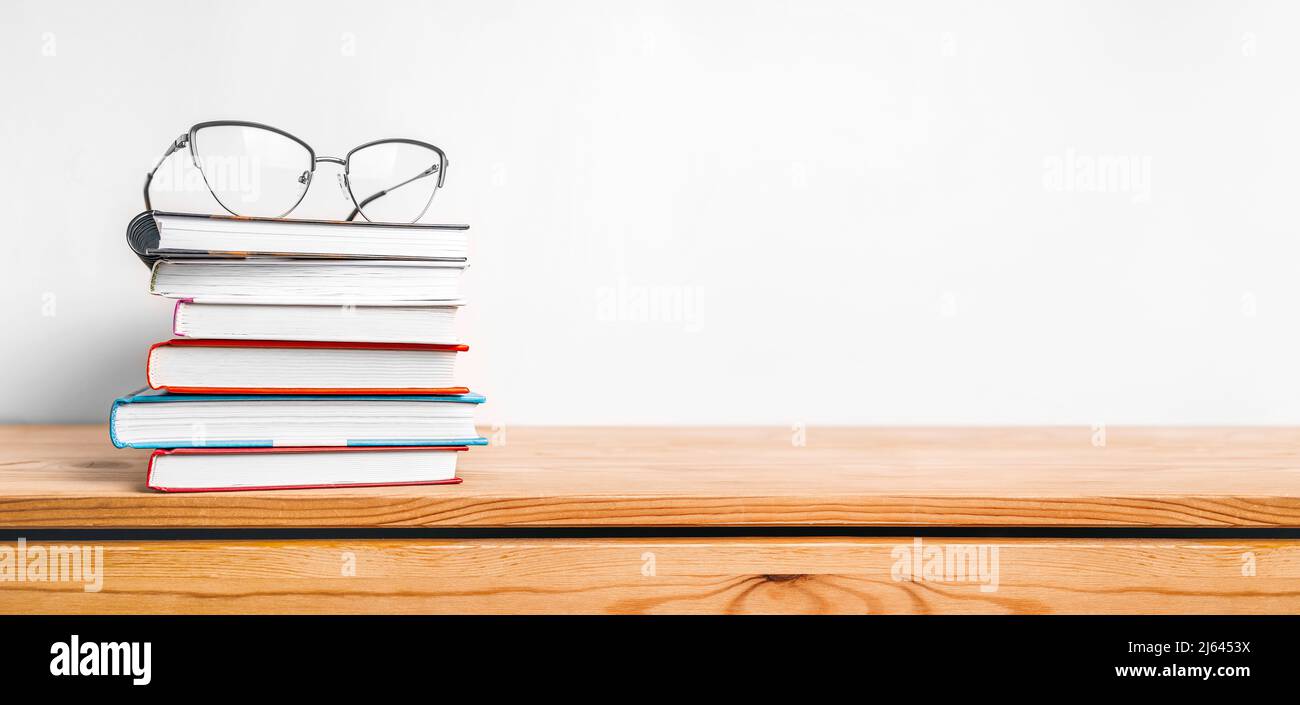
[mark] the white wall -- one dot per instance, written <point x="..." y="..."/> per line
<point x="846" y="212"/>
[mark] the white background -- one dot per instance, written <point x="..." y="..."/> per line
<point x="846" y="212"/>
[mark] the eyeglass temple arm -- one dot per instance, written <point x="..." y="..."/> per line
<point x="176" y="144"/>
<point x="439" y="169"/>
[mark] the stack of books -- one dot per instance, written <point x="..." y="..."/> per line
<point x="307" y="354"/>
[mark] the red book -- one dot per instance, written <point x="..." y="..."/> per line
<point x="229" y="469"/>
<point x="196" y="366"/>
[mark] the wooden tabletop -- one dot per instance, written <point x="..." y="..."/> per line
<point x="70" y="476"/>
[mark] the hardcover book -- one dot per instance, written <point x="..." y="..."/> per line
<point x="346" y="282"/>
<point x="159" y="419"/>
<point x="156" y="234"/>
<point x="301" y="367"/>
<point x="430" y="325"/>
<point x="223" y="469"/>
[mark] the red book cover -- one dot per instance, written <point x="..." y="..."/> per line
<point x="255" y="451"/>
<point x="194" y="343"/>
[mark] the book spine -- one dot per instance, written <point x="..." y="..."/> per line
<point x="176" y="315"/>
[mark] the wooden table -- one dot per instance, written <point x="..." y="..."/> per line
<point x="694" y="520"/>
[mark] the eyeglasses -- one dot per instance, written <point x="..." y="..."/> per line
<point x="257" y="170"/>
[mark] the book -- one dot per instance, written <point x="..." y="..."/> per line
<point x="160" y="419"/>
<point x="158" y="233"/>
<point x="297" y="281"/>
<point x="220" y="469"/>
<point x="434" y="325"/>
<point x="300" y="367"/>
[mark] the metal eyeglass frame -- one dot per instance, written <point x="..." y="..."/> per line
<point x="187" y="140"/>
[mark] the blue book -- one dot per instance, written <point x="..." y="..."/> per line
<point x="158" y="419"/>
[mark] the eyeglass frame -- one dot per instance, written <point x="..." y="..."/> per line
<point x="187" y="140"/>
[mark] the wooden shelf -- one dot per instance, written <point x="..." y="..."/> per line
<point x="673" y="576"/>
<point x="1190" y="478"/>
<point x="70" y="476"/>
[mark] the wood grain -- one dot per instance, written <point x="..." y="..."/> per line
<point x="673" y="576"/>
<point x="69" y="476"/>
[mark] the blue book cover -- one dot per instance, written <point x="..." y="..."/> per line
<point x="157" y="396"/>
